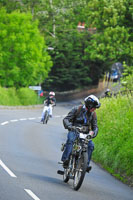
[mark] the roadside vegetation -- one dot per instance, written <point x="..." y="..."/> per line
<point x="24" y="60"/>
<point x="114" y="143"/>
<point x="22" y="96"/>
<point x="77" y="57"/>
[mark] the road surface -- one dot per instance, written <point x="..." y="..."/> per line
<point x="29" y="155"/>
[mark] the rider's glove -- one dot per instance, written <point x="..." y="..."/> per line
<point x="82" y="129"/>
<point x="71" y="128"/>
<point x="91" y="134"/>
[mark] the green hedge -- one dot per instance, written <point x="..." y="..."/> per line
<point x="114" y="143"/>
<point x="22" y="96"/>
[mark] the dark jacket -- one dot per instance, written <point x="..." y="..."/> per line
<point x="81" y="118"/>
<point x="50" y="100"/>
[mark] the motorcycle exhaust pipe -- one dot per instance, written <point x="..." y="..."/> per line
<point x="60" y="172"/>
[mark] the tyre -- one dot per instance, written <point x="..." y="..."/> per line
<point x="80" y="171"/>
<point x="45" y="117"/>
<point x="66" y="175"/>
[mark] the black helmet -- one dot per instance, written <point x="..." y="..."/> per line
<point x="92" y="102"/>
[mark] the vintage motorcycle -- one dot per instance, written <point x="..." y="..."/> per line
<point x="77" y="166"/>
<point x="46" y="112"/>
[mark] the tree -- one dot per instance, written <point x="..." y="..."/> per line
<point x="70" y="70"/>
<point x="113" y="20"/>
<point x="24" y="60"/>
<point x="58" y="22"/>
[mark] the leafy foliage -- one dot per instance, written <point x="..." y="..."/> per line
<point x="58" y="20"/>
<point x="114" y="141"/>
<point x="27" y="96"/>
<point x="23" y="58"/>
<point x="8" y="96"/>
<point x="113" y="20"/>
<point x="21" y="96"/>
<point x="127" y="79"/>
<point x="70" y="69"/>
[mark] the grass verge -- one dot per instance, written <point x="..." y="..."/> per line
<point x="22" y="96"/>
<point x="114" y="143"/>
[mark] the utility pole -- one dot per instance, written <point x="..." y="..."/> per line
<point x="51" y="4"/>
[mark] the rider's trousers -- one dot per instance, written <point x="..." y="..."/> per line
<point x="49" y="109"/>
<point x="69" y="144"/>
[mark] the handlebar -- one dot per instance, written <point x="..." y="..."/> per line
<point x="80" y="130"/>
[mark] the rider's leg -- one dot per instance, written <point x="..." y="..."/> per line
<point x="69" y="144"/>
<point x="90" y="150"/>
<point x="50" y="110"/>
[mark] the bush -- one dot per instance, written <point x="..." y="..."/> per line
<point x="113" y="143"/>
<point x="23" y="96"/>
<point x="13" y="98"/>
<point x="8" y="97"/>
<point x="27" y="96"/>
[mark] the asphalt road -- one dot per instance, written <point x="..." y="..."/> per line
<point x="29" y="155"/>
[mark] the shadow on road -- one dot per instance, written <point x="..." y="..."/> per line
<point x="46" y="179"/>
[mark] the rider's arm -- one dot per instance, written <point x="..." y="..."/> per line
<point x="54" y="102"/>
<point x="68" y="120"/>
<point x="44" y="102"/>
<point x="94" y="125"/>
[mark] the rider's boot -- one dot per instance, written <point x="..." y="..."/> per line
<point x="88" y="169"/>
<point x="65" y="163"/>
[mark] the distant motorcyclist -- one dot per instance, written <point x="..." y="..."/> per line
<point x="49" y="102"/>
<point x="81" y="116"/>
<point x="108" y="93"/>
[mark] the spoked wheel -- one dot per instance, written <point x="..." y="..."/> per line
<point x="80" y="171"/>
<point x="45" y="119"/>
<point x="67" y="171"/>
<point x="66" y="175"/>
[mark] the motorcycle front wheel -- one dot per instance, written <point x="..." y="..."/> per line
<point x="67" y="171"/>
<point x="45" y="120"/>
<point x="66" y="175"/>
<point x="80" y="170"/>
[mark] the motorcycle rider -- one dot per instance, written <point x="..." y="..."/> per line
<point x="108" y="93"/>
<point x="48" y="103"/>
<point x="83" y="116"/>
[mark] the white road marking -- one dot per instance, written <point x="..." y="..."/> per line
<point x="31" y="118"/>
<point x="7" y="169"/>
<point x="23" y="119"/>
<point x="14" y="120"/>
<point x="63" y="115"/>
<point x="32" y="194"/>
<point x="4" y="123"/>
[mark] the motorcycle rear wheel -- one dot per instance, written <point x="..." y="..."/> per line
<point x="80" y="171"/>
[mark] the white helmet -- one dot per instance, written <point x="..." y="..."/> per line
<point x="108" y="90"/>
<point x="92" y="102"/>
<point x="51" y="94"/>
